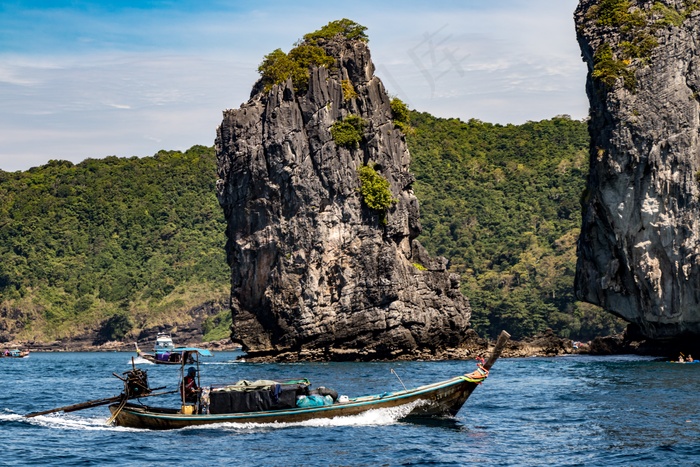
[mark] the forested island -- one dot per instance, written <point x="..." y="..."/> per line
<point x="117" y="248"/>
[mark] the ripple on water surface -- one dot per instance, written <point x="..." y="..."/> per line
<point x="536" y="411"/>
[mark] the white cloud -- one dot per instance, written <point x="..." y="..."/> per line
<point x="138" y="83"/>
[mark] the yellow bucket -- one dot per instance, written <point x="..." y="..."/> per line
<point x="187" y="409"/>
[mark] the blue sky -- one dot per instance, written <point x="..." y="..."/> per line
<point x="83" y="79"/>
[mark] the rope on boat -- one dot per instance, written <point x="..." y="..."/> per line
<point x="397" y="376"/>
<point x="116" y="412"/>
<point x="479" y="375"/>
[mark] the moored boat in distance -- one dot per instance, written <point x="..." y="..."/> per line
<point x="164" y="352"/>
<point x="14" y="353"/>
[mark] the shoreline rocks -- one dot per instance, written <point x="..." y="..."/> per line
<point x="112" y="346"/>
<point x="545" y="344"/>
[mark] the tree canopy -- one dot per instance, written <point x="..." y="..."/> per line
<point x="502" y="204"/>
<point x="277" y="66"/>
<point x="133" y="242"/>
<point x="345" y="27"/>
<point x="83" y="243"/>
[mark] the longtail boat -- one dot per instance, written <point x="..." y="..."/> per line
<point x="281" y="402"/>
<point x="14" y="353"/>
<point x="164" y="352"/>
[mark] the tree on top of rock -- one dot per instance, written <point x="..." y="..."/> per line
<point x="277" y="66"/>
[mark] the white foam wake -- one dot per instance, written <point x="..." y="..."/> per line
<point x="374" y="417"/>
<point x="63" y="421"/>
<point x="141" y="360"/>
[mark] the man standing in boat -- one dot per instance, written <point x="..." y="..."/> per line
<point x="189" y="387"/>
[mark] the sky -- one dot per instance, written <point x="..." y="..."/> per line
<point x="90" y="79"/>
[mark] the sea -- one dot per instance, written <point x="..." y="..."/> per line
<point x="562" y="411"/>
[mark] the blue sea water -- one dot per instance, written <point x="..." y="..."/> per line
<point x="577" y="410"/>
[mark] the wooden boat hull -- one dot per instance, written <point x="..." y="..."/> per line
<point x="439" y="399"/>
<point x="152" y="358"/>
<point x="23" y="354"/>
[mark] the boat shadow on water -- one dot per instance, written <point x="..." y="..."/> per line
<point x="446" y="423"/>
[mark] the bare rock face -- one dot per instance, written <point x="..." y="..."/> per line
<point x="315" y="272"/>
<point x="638" y="252"/>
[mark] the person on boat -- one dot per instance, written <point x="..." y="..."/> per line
<point x="189" y="385"/>
<point x="689" y="359"/>
<point x="681" y="359"/>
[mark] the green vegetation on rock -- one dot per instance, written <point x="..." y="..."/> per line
<point x="375" y="189"/>
<point x="401" y="115"/>
<point x="217" y="327"/>
<point x="636" y="41"/>
<point x="349" y="92"/>
<point x="608" y="69"/>
<point x="348" y="131"/>
<point x="617" y="13"/>
<point x="616" y="60"/>
<point x="277" y="66"/>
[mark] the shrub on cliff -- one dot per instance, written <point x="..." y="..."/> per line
<point x="617" y="13"/>
<point x="619" y="55"/>
<point x="375" y="189"/>
<point x="608" y="69"/>
<point x="400" y="115"/>
<point x="348" y="132"/>
<point x="349" y="92"/>
<point x="277" y="67"/>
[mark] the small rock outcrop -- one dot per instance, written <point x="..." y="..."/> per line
<point x="315" y="272"/>
<point x="639" y="248"/>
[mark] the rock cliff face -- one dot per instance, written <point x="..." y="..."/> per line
<point x="638" y="253"/>
<point x="316" y="274"/>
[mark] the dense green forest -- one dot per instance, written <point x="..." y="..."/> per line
<point x="502" y="204"/>
<point x="125" y="244"/>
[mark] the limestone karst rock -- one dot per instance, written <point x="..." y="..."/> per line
<point x="638" y="252"/>
<point x="316" y="273"/>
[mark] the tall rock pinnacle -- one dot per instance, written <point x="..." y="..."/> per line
<point x="639" y="249"/>
<point x="319" y="270"/>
